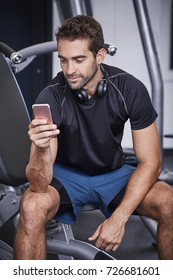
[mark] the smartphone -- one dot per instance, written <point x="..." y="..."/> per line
<point x="42" y="111"/>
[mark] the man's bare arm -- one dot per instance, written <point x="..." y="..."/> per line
<point x="39" y="170"/>
<point x="109" y="234"/>
<point x="147" y="150"/>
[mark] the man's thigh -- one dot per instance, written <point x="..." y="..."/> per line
<point x="157" y="197"/>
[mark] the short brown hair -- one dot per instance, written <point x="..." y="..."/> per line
<point x="82" y="27"/>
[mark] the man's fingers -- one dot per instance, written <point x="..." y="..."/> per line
<point x="112" y="247"/>
<point x="95" y="235"/>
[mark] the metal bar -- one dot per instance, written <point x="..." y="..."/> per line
<point x="152" y="62"/>
<point x="39" y="49"/>
<point x="76" y="248"/>
<point x="76" y="7"/>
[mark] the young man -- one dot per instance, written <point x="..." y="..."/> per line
<point x="80" y="155"/>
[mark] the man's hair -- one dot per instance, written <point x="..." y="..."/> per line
<point x="82" y="27"/>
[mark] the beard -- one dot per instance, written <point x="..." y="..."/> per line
<point x="84" y="79"/>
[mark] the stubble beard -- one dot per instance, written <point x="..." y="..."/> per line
<point x="85" y="79"/>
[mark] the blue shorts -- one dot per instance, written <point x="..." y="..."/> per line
<point x="84" y="189"/>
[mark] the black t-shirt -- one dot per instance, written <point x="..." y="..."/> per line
<point x="91" y="132"/>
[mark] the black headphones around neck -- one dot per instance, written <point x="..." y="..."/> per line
<point x="82" y="95"/>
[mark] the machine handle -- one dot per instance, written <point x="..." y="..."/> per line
<point x="15" y="57"/>
<point x="110" y="48"/>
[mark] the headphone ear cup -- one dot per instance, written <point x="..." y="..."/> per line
<point x="81" y="95"/>
<point x="102" y="88"/>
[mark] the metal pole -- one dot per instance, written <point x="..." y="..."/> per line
<point x="76" y="7"/>
<point x="152" y="62"/>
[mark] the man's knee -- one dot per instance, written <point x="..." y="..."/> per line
<point x="158" y="203"/>
<point x="38" y="207"/>
<point x="167" y="201"/>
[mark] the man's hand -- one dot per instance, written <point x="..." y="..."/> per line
<point x="41" y="133"/>
<point x="109" y="234"/>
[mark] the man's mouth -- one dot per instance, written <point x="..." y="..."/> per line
<point x="73" y="79"/>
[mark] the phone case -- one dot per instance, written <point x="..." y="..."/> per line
<point x="42" y="111"/>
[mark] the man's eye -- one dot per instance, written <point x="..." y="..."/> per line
<point x="63" y="60"/>
<point x="79" y="60"/>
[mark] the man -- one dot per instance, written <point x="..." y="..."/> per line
<point x="80" y="155"/>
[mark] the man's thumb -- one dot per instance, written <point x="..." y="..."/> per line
<point x="95" y="235"/>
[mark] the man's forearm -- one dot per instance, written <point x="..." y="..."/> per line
<point x="39" y="170"/>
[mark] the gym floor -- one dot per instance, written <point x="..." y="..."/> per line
<point x="137" y="244"/>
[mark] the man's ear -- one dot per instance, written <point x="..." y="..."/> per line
<point x="101" y="55"/>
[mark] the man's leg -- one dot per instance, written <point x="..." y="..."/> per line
<point x="35" y="211"/>
<point x="158" y="204"/>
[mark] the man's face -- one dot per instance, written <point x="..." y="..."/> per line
<point x="77" y="62"/>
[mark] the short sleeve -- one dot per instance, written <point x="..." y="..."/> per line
<point x="139" y="105"/>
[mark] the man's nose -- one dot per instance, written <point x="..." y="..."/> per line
<point x="70" y="68"/>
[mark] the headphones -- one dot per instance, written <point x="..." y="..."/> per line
<point x="82" y="95"/>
